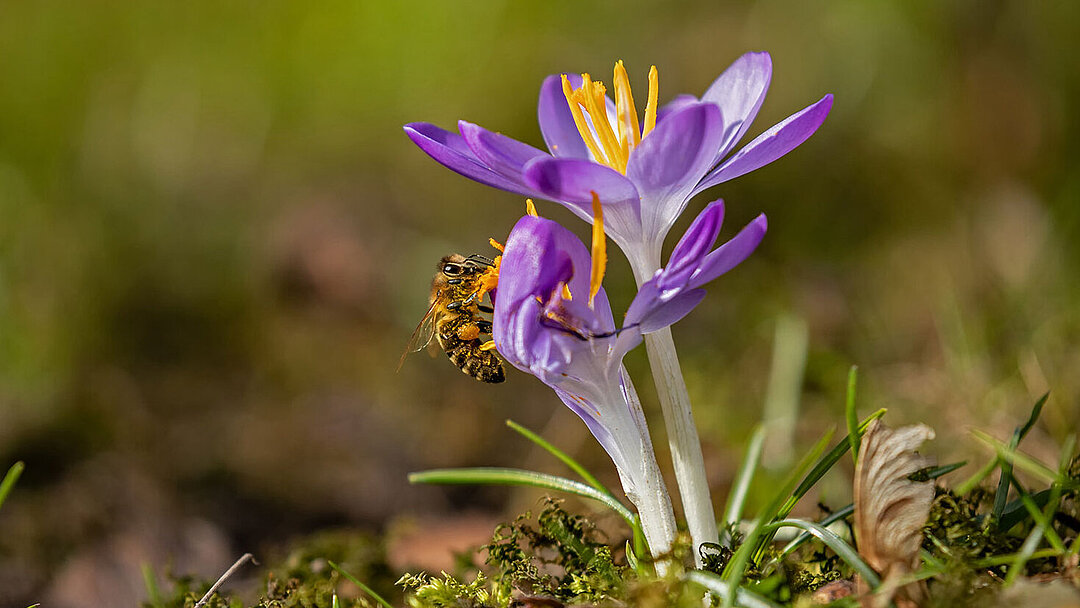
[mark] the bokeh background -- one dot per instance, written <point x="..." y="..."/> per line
<point x="215" y="241"/>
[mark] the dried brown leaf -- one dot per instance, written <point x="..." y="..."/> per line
<point x="890" y="509"/>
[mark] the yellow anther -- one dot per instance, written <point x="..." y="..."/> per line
<point x="496" y="244"/>
<point x="599" y="249"/>
<point x="489" y="345"/>
<point x="650" y="108"/>
<point x="579" y="121"/>
<point x="530" y="208"/>
<point x="611" y="144"/>
<point x="566" y="293"/>
<point x="629" y="134"/>
<point x="596" y="103"/>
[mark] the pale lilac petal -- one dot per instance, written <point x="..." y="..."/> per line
<point x="502" y="154"/>
<point x="739" y="92"/>
<point x="450" y="150"/>
<point x="681" y="101"/>
<point x="651" y="310"/>
<point x="671" y="160"/>
<point x="731" y="253"/>
<point x="772" y="144"/>
<point x="556" y="122"/>
<point x="572" y="182"/>
<point x="694" y="245"/>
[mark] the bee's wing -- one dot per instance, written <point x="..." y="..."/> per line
<point x="423" y="333"/>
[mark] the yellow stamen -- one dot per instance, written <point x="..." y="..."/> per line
<point x="489" y="345"/>
<point x="489" y="279"/>
<point x="599" y="249"/>
<point x="579" y="121"/>
<point x="496" y="244"/>
<point x="624" y="104"/>
<point x="650" y="108"/>
<point x="596" y="103"/>
<point x="611" y="144"/>
<point x="566" y="293"/>
<point x="530" y="208"/>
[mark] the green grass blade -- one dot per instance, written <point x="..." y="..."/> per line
<point x="1018" y="459"/>
<point x="756" y="538"/>
<point x="152" y="590"/>
<point x="843" y="550"/>
<point x="737" y="498"/>
<point x="365" y="588"/>
<point x="565" y="458"/>
<point x="824" y="523"/>
<point x="1001" y="560"/>
<point x="9" y="480"/>
<point x="1001" y="497"/>
<point x="519" y="477"/>
<point x="849" y="509"/>
<point x="935" y="472"/>
<point x="722" y="589"/>
<point x="851" y="414"/>
<point x="827" y="462"/>
<point x="970" y="483"/>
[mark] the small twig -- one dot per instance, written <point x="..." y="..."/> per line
<point x="240" y="562"/>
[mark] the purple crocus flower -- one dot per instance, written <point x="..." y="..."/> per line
<point x="644" y="173"/>
<point x="544" y="325"/>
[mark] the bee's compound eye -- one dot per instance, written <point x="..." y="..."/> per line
<point x="452" y="269"/>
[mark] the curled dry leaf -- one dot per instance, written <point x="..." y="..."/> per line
<point x="890" y="509"/>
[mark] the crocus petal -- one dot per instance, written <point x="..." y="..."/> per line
<point x="502" y="154"/>
<point x="450" y="150"/>
<point x="572" y="182"/>
<point x="694" y="245"/>
<point x="671" y="160"/>
<point x="679" y="102"/>
<point x="772" y="144"/>
<point x="652" y="309"/>
<point x="731" y="253"/>
<point x="739" y="92"/>
<point x="556" y="123"/>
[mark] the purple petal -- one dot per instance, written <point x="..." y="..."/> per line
<point x="502" y="154"/>
<point x="681" y="101"/>
<point x="556" y="122"/>
<point x="650" y="311"/>
<point x="693" y="246"/>
<point x="739" y="92"/>
<point x="731" y="253"/>
<point x="671" y="160"/>
<point x="780" y="139"/>
<point x="450" y="150"/>
<point x="572" y="182"/>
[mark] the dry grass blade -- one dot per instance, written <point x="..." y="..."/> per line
<point x="890" y="509"/>
<point x="236" y="566"/>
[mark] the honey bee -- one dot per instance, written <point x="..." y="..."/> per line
<point x="453" y="318"/>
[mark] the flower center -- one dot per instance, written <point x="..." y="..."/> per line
<point x="611" y="144"/>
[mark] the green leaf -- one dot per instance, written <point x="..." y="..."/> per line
<point x="574" y="465"/>
<point x="843" y="550"/>
<point x="519" y="477"/>
<point x="722" y="589"/>
<point x="1002" y="495"/>
<point x="1019" y="459"/>
<point x="365" y="588"/>
<point x="9" y="480"/>
<point x="737" y="498"/>
<point x="851" y="414"/>
<point x="758" y="537"/>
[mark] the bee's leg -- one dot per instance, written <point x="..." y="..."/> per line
<point x="484" y="326"/>
<point x="489" y="345"/>
<point x="485" y="308"/>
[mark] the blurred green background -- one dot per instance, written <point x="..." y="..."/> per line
<point x="215" y="241"/>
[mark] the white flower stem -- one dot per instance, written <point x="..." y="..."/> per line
<point x="683" y="440"/>
<point x="651" y="495"/>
